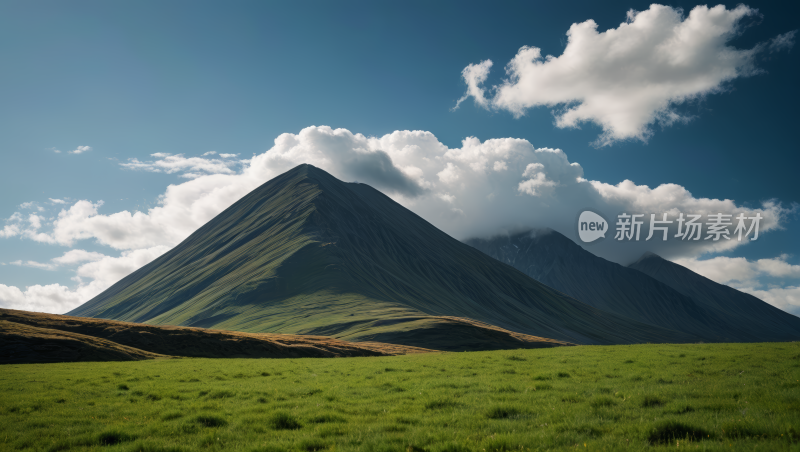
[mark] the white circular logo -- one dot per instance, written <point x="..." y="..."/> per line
<point x="591" y="226"/>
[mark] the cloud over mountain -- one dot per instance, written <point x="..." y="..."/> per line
<point x="477" y="190"/>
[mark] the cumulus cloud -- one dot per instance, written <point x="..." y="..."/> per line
<point x="629" y="78"/>
<point x="479" y="189"/>
<point x="81" y="150"/>
<point x="740" y="271"/>
<point x="10" y="230"/>
<point x="190" y="167"/>
<point x="457" y="189"/>
<point x="785" y="298"/>
<point x="17" y="225"/>
<point x="97" y="274"/>
<point x="53" y="298"/>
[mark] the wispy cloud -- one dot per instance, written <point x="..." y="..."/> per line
<point x="782" y="42"/>
<point x="81" y="150"/>
<point x="71" y="257"/>
<point x="190" y="167"/>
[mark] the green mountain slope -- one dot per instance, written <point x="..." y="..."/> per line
<point x="306" y="253"/>
<point x="750" y="318"/>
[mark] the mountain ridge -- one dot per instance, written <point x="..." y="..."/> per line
<point x="555" y="260"/>
<point x="754" y="317"/>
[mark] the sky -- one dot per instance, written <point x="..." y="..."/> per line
<point x="125" y="126"/>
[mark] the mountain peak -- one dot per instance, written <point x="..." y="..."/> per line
<point x="306" y="253"/>
<point x="648" y="255"/>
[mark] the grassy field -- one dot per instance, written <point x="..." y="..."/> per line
<point x="640" y="397"/>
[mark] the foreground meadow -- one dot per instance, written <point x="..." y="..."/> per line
<point x="641" y="397"/>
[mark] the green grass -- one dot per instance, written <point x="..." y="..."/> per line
<point x="638" y="397"/>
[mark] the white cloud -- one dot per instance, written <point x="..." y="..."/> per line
<point x="34" y="264"/>
<point x="785" y="298"/>
<point x="81" y="150"/>
<point x="749" y="276"/>
<point x="228" y="156"/>
<point x="13" y="226"/>
<point x="475" y="75"/>
<point x="10" y="230"/>
<point x="539" y="188"/>
<point x="782" y="42"/>
<point x="449" y="175"/>
<point x="73" y="257"/>
<point x="100" y="273"/>
<point x="626" y="79"/>
<point x="57" y="201"/>
<point x="740" y="271"/>
<point x="209" y="153"/>
<point x="191" y="167"/>
<point x="32" y="231"/>
<point x="53" y="298"/>
<point x="477" y="190"/>
<point x="16" y="225"/>
<point x="537" y="180"/>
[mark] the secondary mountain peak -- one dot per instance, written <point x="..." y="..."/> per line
<point x="748" y="317"/>
<point x="649" y="256"/>
<point x="652" y="290"/>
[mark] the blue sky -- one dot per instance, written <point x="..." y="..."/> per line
<point x="133" y="79"/>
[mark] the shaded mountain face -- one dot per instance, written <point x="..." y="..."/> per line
<point x="554" y="260"/>
<point x="749" y="316"/>
<point x="306" y="253"/>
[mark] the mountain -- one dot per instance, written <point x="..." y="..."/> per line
<point x="306" y="253"/>
<point x="752" y="318"/>
<point x="554" y="260"/>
